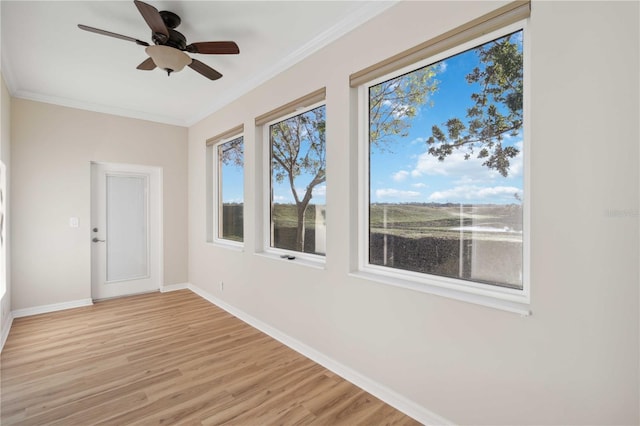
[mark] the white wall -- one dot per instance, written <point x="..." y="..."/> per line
<point x="575" y="361"/>
<point x="5" y="156"/>
<point x="51" y="148"/>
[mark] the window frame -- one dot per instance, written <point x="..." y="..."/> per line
<point x="513" y="300"/>
<point x="217" y="215"/>
<point x="213" y="182"/>
<point x="3" y="230"/>
<point x="309" y="259"/>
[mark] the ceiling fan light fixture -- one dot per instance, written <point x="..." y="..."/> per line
<point x="168" y="58"/>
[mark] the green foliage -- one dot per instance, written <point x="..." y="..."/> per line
<point x="232" y="152"/>
<point x="496" y="112"/>
<point x="393" y="103"/>
<point x="298" y="146"/>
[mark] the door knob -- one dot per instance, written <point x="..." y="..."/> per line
<point x="96" y="240"/>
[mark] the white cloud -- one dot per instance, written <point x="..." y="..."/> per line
<point x="517" y="162"/>
<point x="234" y="201"/>
<point x="280" y="198"/>
<point x="417" y="141"/>
<point x="400" y="176"/>
<point x="455" y="165"/>
<point x="419" y="185"/>
<point x="395" y="193"/>
<point x="472" y="192"/>
<point x="398" y="109"/>
<point x="319" y="191"/>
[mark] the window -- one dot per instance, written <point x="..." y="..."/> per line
<point x="297" y="181"/>
<point x="230" y="162"/>
<point x="443" y="190"/>
<point x="225" y="188"/>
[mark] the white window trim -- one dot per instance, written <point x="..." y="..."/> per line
<point x="307" y="259"/>
<point x="3" y="231"/>
<point x="216" y="193"/>
<point x="512" y="300"/>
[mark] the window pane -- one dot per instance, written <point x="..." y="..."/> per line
<point x="298" y="177"/>
<point x="231" y="190"/>
<point x="446" y="167"/>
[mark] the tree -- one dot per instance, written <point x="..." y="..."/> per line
<point x="393" y="103"/>
<point x="232" y="152"/>
<point x="496" y="112"/>
<point x="298" y="144"/>
<point x="298" y="147"/>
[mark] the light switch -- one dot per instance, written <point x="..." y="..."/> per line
<point x="74" y="222"/>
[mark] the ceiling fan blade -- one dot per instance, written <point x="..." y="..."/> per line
<point x="204" y="69"/>
<point x="147" y="65"/>
<point x="214" y="48"/>
<point x="153" y="19"/>
<point x="110" y="34"/>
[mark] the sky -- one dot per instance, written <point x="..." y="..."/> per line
<point x="408" y="174"/>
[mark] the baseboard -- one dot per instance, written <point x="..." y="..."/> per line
<point x="382" y="392"/>
<point x="6" y="327"/>
<point x="18" y="313"/>
<point x="173" y="287"/>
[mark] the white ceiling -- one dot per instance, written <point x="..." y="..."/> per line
<point x="45" y="57"/>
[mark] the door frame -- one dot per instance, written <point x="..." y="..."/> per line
<point x="156" y="175"/>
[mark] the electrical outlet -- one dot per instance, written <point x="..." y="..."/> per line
<point x="221" y="286"/>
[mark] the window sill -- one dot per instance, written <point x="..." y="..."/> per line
<point x="516" y="307"/>
<point x="300" y="259"/>
<point x="227" y="245"/>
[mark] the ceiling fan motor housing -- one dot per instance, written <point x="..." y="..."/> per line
<point x="176" y="39"/>
<point x="171" y="20"/>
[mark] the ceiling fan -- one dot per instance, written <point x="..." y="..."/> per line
<point x="168" y="51"/>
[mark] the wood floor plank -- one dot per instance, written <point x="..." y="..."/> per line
<point x="168" y="358"/>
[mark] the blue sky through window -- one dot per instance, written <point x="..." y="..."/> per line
<point x="409" y="174"/>
<point x="232" y="184"/>
<point x="232" y="177"/>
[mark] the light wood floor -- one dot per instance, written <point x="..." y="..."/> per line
<point x="169" y="358"/>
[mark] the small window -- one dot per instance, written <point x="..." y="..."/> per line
<point x="230" y="206"/>
<point x="225" y="188"/>
<point x="444" y="199"/>
<point x="297" y="182"/>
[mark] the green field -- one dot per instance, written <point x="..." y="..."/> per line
<point x="476" y="242"/>
<point x="442" y="220"/>
<point x="286" y="216"/>
<point x="416" y="220"/>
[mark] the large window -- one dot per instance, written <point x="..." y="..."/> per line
<point x="445" y="147"/>
<point x="297" y="181"/>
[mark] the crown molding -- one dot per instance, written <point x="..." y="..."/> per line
<point x="105" y="109"/>
<point x="363" y="14"/>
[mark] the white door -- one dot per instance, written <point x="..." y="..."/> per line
<point x="125" y="229"/>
